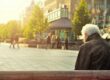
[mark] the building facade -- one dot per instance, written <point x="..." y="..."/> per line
<point x="59" y="13"/>
<point x="51" y="5"/>
<point x="58" y="9"/>
<point x="100" y="11"/>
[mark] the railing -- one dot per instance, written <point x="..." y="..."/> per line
<point x="55" y="75"/>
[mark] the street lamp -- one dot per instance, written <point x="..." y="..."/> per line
<point x="93" y="16"/>
<point x="98" y="14"/>
<point x="95" y="12"/>
<point x="104" y="13"/>
<point x="104" y="20"/>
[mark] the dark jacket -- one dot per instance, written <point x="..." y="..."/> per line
<point x="94" y="54"/>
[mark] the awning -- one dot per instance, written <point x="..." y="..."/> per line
<point x="63" y="23"/>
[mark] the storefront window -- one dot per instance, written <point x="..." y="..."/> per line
<point x="62" y="35"/>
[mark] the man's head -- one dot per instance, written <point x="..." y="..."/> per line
<point x="88" y="30"/>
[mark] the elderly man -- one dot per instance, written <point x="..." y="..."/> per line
<point x="94" y="54"/>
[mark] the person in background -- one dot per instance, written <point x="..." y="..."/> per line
<point x="12" y="42"/>
<point x="94" y="54"/>
<point x="48" y="40"/>
<point x="58" y="42"/>
<point x="66" y="43"/>
<point x="17" y="41"/>
<point x="53" y="40"/>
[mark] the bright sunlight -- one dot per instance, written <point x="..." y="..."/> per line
<point x="14" y="9"/>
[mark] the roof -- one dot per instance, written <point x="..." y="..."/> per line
<point x="63" y="23"/>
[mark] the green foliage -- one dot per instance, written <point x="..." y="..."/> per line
<point x="36" y="24"/>
<point x="28" y="32"/>
<point x="3" y="31"/>
<point x="9" y="29"/>
<point x="13" y="28"/>
<point x="80" y="17"/>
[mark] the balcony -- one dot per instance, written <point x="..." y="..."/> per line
<point x="57" y="14"/>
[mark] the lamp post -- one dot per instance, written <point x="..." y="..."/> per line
<point x="93" y="16"/>
<point x="95" y="12"/>
<point x="104" y="19"/>
<point x="98" y="14"/>
<point x="104" y="14"/>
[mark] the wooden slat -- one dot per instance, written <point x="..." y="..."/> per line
<point x="55" y="75"/>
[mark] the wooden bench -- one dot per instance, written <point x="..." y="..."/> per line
<point x="55" y="75"/>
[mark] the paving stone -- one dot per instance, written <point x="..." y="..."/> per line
<point x="33" y="59"/>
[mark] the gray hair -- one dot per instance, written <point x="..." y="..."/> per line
<point x="90" y="29"/>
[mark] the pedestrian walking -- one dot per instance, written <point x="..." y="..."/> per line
<point x="48" y="40"/>
<point x="53" y="41"/>
<point x="12" y="42"/>
<point x="58" y="42"/>
<point x="66" y="43"/>
<point x="17" y="41"/>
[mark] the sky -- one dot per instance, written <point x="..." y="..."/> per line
<point x="13" y="9"/>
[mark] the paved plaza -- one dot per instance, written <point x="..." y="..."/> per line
<point x="33" y="59"/>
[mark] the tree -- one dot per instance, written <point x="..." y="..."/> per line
<point x="36" y="24"/>
<point x="3" y="32"/>
<point x="12" y="28"/>
<point x="80" y="17"/>
<point x="9" y="29"/>
<point x="28" y="32"/>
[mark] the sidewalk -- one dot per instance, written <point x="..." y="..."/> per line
<point x="33" y="59"/>
<point x="21" y="45"/>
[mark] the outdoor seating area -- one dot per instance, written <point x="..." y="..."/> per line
<point x="54" y="40"/>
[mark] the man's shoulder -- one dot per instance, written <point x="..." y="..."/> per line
<point x="86" y="44"/>
<point x="95" y="43"/>
<point x="91" y="43"/>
